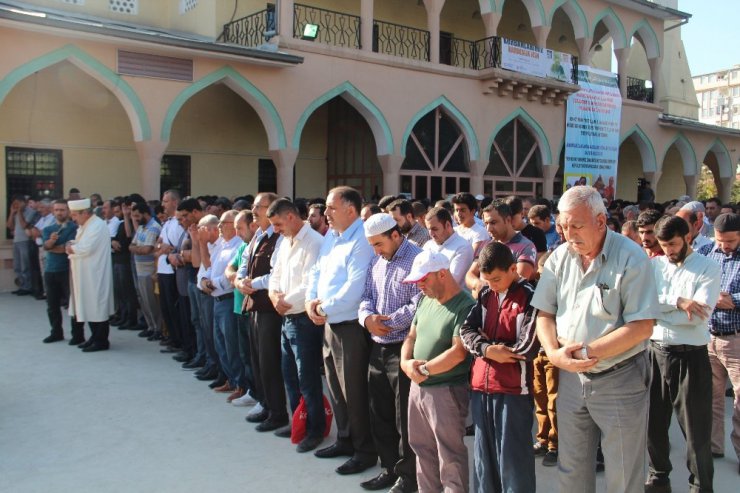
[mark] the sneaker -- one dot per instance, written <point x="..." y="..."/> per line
<point x="256" y="410"/>
<point x="539" y="448"/>
<point x="550" y="459"/>
<point x="244" y="401"/>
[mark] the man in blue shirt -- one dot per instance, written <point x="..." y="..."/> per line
<point x="335" y="287"/>
<point x="56" y="273"/>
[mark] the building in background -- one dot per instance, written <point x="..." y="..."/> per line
<point x="718" y="94"/>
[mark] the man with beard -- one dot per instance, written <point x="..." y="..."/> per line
<point x="403" y="213"/>
<point x="688" y="288"/>
<point x="317" y="219"/>
<point x="693" y="213"/>
<point x="646" y="229"/>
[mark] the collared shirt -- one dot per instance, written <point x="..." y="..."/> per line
<point x="146" y="235"/>
<point x="236" y="262"/>
<point x="618" y="287"/>
<point x="475" y="234"/>
<point x="418" y="235"/>
<point x="386" y="294"/>
<point x="725" y="322"/>
<point x="522" y="249"/>
<point x="171" y="235"/>
<point x="202" y="269"/>
<point x="697" y="278"/>
<point x="261" y="282"/>
<point x="222" y="253"/>
<point x="113" y="224"/>
<point x="338" y="278"/>
<point x="58" y="262"/>
<point x="44" y="222"/>
<point x="295" y="257"/>
<point x="551" y="235"/>
<point x="700" y="241"/>
<point x="458" y="251"/>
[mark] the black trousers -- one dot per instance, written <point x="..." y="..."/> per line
<point x="346" y="356"/>
<point x="266" y="344"/>
<point x="168" y="305"/>
<point x="388" y="388"/>
<point x="37" y="283"/>
<point x="99" y="331"/>
<point x="57" y="293"/>
<point x="187" y="332"/>
<point x="125" y="293"/>
<point x="681" y="381"/>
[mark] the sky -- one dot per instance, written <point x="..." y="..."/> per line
<point x="711" y="38"/>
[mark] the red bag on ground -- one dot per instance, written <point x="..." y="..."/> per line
<point x="300" y="417"/>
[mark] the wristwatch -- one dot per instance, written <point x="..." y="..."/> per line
<point x="584" y="352"/>
<point x="423" y="370"/>
<point x="320" y="310"/>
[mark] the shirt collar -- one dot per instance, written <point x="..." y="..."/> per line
<point x="349" y="233"/>
<point x="302" y="232"/>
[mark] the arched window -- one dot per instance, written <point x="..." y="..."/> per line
<point x="515" y="163"/>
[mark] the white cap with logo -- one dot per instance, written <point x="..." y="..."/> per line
<point x="424" y="264"/>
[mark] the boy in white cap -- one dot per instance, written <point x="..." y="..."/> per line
<point x="435" y="360"/>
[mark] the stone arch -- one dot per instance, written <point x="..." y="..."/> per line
<point x="125" y="94"/>
<point x="724" y="162"/>
<point x="647" y="152"/>
<point x="537" y="15"/>
<point x="531" y="124"/>
<point x="576" y="15"/>
<point x="457" y="116"/>
<point x="645" y="33"/>
<point x="688" y="155"/>
<point x="236" y="82"/>
<point x="613" y="24"/>
<point x="372" y="114"/>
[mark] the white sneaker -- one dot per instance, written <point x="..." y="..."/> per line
<point x="244" y="401"/>
<point x="255" y="410"/>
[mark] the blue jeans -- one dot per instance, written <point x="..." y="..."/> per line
<point x="242" y="328"/>
<point x="205" y="310"/>
<point x="22" y="264"/>
<point x="225" y="339"/>
<point x="504" y="459"/>
<point x="195" y="308"/>
<point x="302" y="342"/>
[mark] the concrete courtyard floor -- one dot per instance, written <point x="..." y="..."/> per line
<point x="131" y="420"/>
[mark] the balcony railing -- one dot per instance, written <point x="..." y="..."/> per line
<point x="335" y="28"/>
<point x="252" y="30"/>
<point x="402" y="41"/>
<point x="637" y="90"/>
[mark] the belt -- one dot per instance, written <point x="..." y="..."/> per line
<point x="224" y="297"/>
<point x="728" y="333"/>
<point x="615" y="367"/>
<point x="296" y="315"/>
<point x="675" y="348"/>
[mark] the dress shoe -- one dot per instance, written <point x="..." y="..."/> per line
<point x="182" y="357"/>
<point x="539" y="449"/>
<point x="550" y="459"/>
<point x="97" y="346"/>
<point x="309" y="443"/>
<point x="192" y="364"/>
<point x="164" y="341"/>
<point x="271" y="424"/>
<point x="22" y="292"/>
<point x="133" y="326"/>
<point x="257" y="415"/>
<point x="226" y="387"/>
<point x="380" y="482"/>
<point x="355" y="466"/>
<point x="16" y="291"/>
<point x="76" y="341"/>
<point x="236" y="394"/>
<point x="40" y="296"/>
<point x="53" y="338"/>
<point x="169" y="350"/>
<point x="658" y="487"/>
<point x="146" y="333"/>
<point x="115" y="322"/>
<point x="284" y="432"/>
<point x="334" y="450"/>
<point x="204" y="370"/>
<point x="209" y="375"/>
<point x="157" y="336"/>
<point x="218" y="382"/>
<point x="404" y="485"/>
<point x="85" y="344"/>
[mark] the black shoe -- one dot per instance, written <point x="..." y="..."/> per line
<point x="309" y="443"/>
<point x="192" y="365"/>
<point x="115" y="322"/>
<point x="355" y="466"/>
<point x="271" y="424"/>
<point x="157" y="336"/>
<point x="16" y="291"/>
<point x="54" y="338"/>
<point x="22" y="292"/>
<point x="165" y="341"/>
<point x="182" y="357"/>
<point x="97" y="346"/>
<point x="169" y="350"/>
<point x="539" y="449"/>
<point x="404" y="485"/>
<point x="218" y="382"/>
<point x="658" y="486"/>
<point x="334" y="450"/>
<point x="716" y="455"/>
<point x="146" y="333"/>
<point x="284" y="432"/>
<point x="380" y="482"/>
<point x="259" y="417"/>
<point x="85" y="344"/>
<point x="550" y="459"/>
<point x="76" y="341"/>
<point x="204" y="370"/>
<point x="40" y="296"/>
<point x="133" y="326"/>
<point x="209" y="375"/>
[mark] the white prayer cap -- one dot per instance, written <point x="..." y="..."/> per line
<point x="379" y="224"/>
<point x="694" y="206"/>
<point x="480" y="197"/>
<point x="79" y="205"/>
<point x="424" y="264"/>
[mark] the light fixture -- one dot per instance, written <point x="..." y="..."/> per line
<point x="521" y="27"/>
<point x="562" y="38"/>
<point x="476" y="14"/>
<point x="310" y="32"/>
<point x="598" y="47"/>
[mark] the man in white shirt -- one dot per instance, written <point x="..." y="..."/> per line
<point x="688" y="287"/>
<point x="693" y="213"/>
<point x="302" y="340"/>
<point x="447" y="242"/>
<point x="472" y="231"/>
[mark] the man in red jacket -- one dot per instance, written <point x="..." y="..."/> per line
<point x="500" y="332"/>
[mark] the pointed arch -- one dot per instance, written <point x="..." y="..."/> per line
<point x="459" y="118"/>
<point x="372" y="114"/>
<point x="249" y="92"/>
<point x="648" y="38"/>
<point x="613" y="24"/>
<point x="688" y="155"/>
<point x="536" y="11"/>
<point x="487" y="6"/>
<point x="723" y="158"/>
<point x="531" y="124"/>
<point x="576" y="15"/>
<point x="125" y="94"/>
<point x="647" y="152"/>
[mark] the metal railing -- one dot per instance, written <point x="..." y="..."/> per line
<point x="335" y="28"/>
<point x="252" y="30"/>
<point x="402" y="41"/>
<point x="637" y="90"/>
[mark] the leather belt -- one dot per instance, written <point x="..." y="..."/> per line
<point x="224" y="297"/>
<point x="615" y="367"/>
<point x="675" y="348"/>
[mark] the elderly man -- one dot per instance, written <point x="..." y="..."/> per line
<point x="302" y="340"/>
<point x="335" y="289"/>
<point x="447" y="242"/>
<point x="597" y="304"/>
<point x="724" y="327"/>
<point x="434" y="358"/>
<point x="693" y="213"/>
<point x="386" y="311"/>
<point x="688" y="288"/>
<point x="91" y="297"/>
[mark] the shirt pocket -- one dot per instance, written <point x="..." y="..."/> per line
<point x="605" y="303"/>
